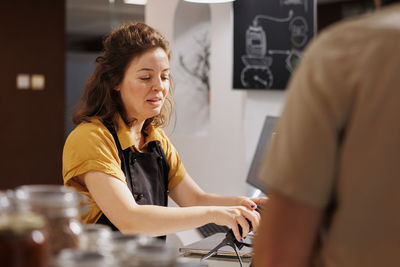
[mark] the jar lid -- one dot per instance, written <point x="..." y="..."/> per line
<point x="97" y="229"/>
<point x="155" y="250"/>
<point x="120" y="238"/>
<point x="78" y="257"/>
<point x="5" y="202"/>
<point x="47" y="195"/>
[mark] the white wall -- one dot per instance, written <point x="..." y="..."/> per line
<point x="192" y="39"/>
<point x="219" y="161"/>
<point x="259" y="104"/>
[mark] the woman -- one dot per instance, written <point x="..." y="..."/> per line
<point x="119" y="156"/>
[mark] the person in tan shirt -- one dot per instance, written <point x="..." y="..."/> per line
<point x="332" y="170"/>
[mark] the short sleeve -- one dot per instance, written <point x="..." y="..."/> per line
<point x="90" y="147"/>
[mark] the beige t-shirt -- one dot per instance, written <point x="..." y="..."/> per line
<point x="90" y="146"/>
<point x="339" y="137"/>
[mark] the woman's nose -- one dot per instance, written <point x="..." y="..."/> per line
<point x="158" y="84"/>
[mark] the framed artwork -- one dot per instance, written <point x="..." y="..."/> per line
<point x="269" y="39"/>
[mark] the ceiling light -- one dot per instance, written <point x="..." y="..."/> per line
<point x="209" y="1"/>
<point x="135" y="2"/>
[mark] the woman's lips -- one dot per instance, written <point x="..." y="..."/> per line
<point x="155" y="101"/>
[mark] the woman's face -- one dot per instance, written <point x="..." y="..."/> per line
<point x="145" y="84"/>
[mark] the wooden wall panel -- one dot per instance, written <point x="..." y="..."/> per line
<point x="32" y="37"/>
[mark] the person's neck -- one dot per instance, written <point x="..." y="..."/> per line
<point x="136" y="132"/>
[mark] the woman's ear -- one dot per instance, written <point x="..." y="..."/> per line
<point x="117" y="88"/>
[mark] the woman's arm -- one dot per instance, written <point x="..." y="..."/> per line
<point x="117" y="203"/>
<point x="188" y="193"/>
<point x="287" y="233"/>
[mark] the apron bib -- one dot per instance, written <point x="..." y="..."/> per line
<point x="146" y="175"/>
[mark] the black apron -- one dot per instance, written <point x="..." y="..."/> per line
<point x="146" y="175"/>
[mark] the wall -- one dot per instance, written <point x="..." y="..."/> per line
<point x="79" y="67"/>
<point x="189" y="66"/>
<point x="32" y="122"/>
<point x="219" y="161"/>
<point x="259" y="104"/>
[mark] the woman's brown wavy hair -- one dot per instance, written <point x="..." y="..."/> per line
<point x="99" y="99"/>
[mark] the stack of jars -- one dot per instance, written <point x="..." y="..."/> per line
<point x="40" y="226"/>
<point x="60" y="206"/>
<point x="102" y="247"/>
<point x="51" y="210"/>
<point x="99" y="246"/>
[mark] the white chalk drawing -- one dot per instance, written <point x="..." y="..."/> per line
<point x="295" y="2"/>
<point x="293" y="56"/>
<point x="257" y="72"/>
<point x="298" y="29"/>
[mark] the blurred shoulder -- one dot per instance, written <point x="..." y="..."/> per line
<point x="93" y="130"/>
<point x="348" y="39"/>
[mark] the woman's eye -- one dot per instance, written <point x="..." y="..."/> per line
<point x="145" y="78"/>
<point x="165" y="78"/>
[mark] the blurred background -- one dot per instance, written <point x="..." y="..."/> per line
<point x="47" y="53"/>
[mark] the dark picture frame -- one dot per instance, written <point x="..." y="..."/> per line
<point x="269" y="39"/>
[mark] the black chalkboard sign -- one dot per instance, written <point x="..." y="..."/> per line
<point x="269" y="39"/>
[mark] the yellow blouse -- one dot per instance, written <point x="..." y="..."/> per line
<point x="90" y="146"/>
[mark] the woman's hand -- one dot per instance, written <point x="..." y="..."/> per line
<point x="252" y="203"/>
<point x="233" y="216"/>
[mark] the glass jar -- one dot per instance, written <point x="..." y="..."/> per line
<point x="61" y="207"/>
<point x="23" y="239"/>
<point x="153" y="253"/>
<point x="124" y="245"/>
<point x="96" y="237"/>
<point x="5" y="202"/>
<point x="84" y="258"/>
